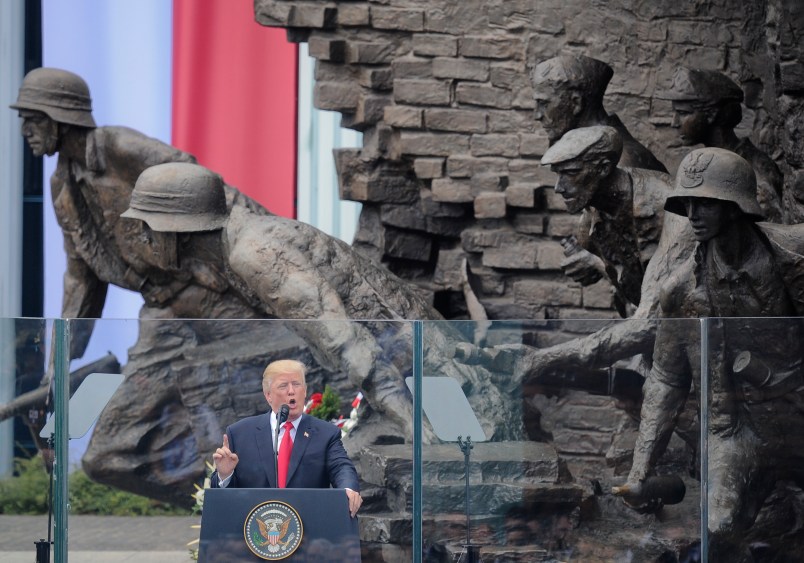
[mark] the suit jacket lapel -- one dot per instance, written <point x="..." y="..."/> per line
<point x="303" y="435"/>
<point x="265" y="447"/>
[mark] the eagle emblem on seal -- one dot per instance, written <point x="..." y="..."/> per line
<point x="273" y="530"/>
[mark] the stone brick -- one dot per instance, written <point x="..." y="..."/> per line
<point x="521" y="195"/>
<point x="370" y="109"/>
<point x="452" y="191"/>
<point x="397" y="19"/>
<point x="476" y="239"/>
<point x="333" y="72"/>
<point x="448" y="268"/>
<point x="553" y="201"/>
<point x="359" y="52"/>
<point x="509" y="75"/>
<point x="465" y="166"/>
<point x="495" y="145"/>
<point x="792" y="75"/>
<point x="461" y="69"/>
<point x="376" y="78"/>
<point x="430" y="144"/>
<point x="698" y="33"/>
<point x="547" y="293"/>
<point x="490" y="47"/>
<point x="599" y="295"/>
<point x="412" y="67"/>
<point x="435" y="45"/>
<point x="551" y="254"/>
<point x="696" y="57"/>
<point x="562" y="225"/>
<point x="518" y="15"/>
<point x="512" y="121"/>
<point x="521" y="256"/>
<point x="523" y="99"/>
<point x="530" y="171"/>
<point x="529" y="223"/>
<point x="482" y="95"/>
<point x="463" y="121"/>
<point x="353" y="15"/>
<point x="403" y="217"/>
<point x="336" y="96"/>
<point x="533" y="144"/>
<point x="569" y="441"/>
<point x="318" y="17"/>
<point x="438" y="210"/>
<point x="485" y="182"/>
<point x="408" y="246"/>
<point x="272" y="13"/>
<point x="428" y="168"/>
<point x="327" y="48"/>
<point x="404" y="116"/>
<point x="490" y="205"/>
<point x="447" y="227"/>
<point x="422" y="92"/>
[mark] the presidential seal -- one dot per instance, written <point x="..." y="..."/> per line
<point x="273" y="530"/>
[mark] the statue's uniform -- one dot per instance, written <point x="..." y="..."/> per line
<point x="627" y="240"/>
<point x="755" y="425"/>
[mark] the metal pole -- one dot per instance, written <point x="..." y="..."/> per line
<point x="704" y="402"/>
<point x="61" y="348"/>
<point x="418" y="363"/>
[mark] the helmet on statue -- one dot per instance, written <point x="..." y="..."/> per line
<point x="178" y="197"/>
<point x="61" y="95"/>
<point x="715" y="173"/>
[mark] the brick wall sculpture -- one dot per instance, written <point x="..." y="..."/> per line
<point x="450" y="167"/>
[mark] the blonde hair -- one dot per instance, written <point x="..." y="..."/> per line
<point x="280" y="367"/>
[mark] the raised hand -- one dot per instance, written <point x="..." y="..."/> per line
<point x="225" y="459"/>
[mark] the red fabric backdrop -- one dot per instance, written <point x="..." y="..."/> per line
<point x="234" y="98"/>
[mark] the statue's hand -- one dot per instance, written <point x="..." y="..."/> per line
<point x="157" y="295"/>
<point x="583" y="267"/>
<point x="497" y="358"/>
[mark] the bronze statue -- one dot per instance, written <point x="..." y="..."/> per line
<point x="707" y="107"/>
<point x="239" y="264"/>
<point x="739" y="268"/>
<point x="569" y="90"/>
<point x="91" y="187"/>
<point x="621" y="210"/>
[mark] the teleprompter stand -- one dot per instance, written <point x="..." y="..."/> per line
<point x="85" y="406"/>
<point x="451" y="415"/>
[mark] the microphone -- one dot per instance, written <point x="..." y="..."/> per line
<point x="284" y="411"/>
<point x="281" y="417"/>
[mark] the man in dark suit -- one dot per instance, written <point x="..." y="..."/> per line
<point x="317" y="459"/>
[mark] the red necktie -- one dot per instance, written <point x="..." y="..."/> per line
<point x="284" y="455"/>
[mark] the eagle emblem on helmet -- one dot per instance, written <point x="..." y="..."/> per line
<point x="691" y="175"/>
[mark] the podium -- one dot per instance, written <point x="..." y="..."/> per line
<point x="250" y="525"/>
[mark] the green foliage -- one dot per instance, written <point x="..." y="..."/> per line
<point x="26" y="493"/>
<point x="330" y="406"/>
<point x="89" y="497"/>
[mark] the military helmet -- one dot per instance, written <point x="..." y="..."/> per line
<point x="178" y="197"/>
<point x="715" y="173"/>
<point x="61" y="95"/>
